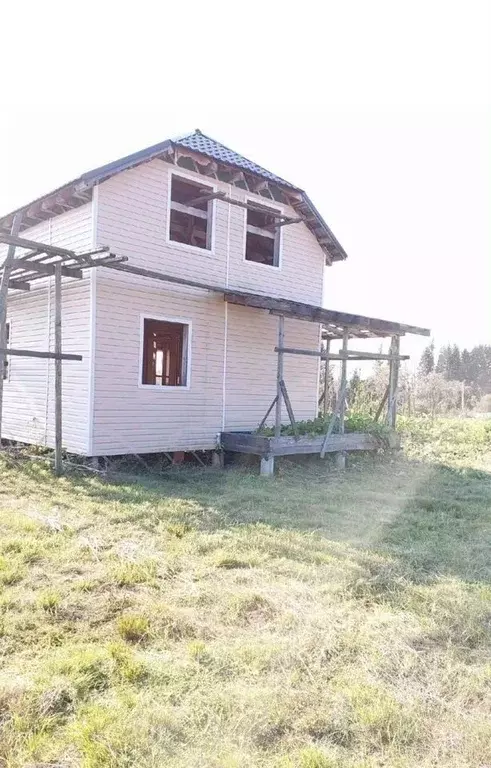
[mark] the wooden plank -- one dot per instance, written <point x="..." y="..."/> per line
<point x="343" y="382"/>
<point x="265" y="417"/>
<point x="289" y="408"/>
<point x="130" y="269"/>
<point x="319" y="314"/>
<point x="45" y="269"/>
<point x="349" y="355"/>
<point x="279" y="376"/>
<point x="19" y="285"/>
<point x="326" y="378"/>
<point x="260" y="231"/>
<point x="4" y="290"/>
<point x="334" y="418"/>
<point x="393" y="383"/>
<point x="382" y="403"/>
<point x="58" y="374"/>
<point x="34" y="353"/>
<point x="244" y="442"/>
<point x="187" y="209"/>
<point x="21" y="242"/>
<point x="354" y="441"/>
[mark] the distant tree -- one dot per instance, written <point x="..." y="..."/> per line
<point x="427" y="362"/>
<point x="435" y="395"/>
<point x="465" y="362"/>
<point x="354" y="384"/>
<point x="442" y="362"/>
<point x="480" y="367"/>
<point x="484" y="404"/>
<point x="454" y="365"/>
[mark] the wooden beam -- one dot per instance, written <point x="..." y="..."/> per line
<point x="279" y="376"/>
<point x="58" y="374"/>
<point x="4" y="291"/>
<point x="19" y="285"/>
<point x="21" y="242"/>
<point x="260" y="231"/>
<point x="45" y="269"/>
<point x="341" y="457"/>
<point x="326" y="377"/>
<point x="393" y="383"/>
<point x="339" y="356"/>
<point x="205" y="197"/>
<point x="187" y="209"/>
<point x="7" y="351"/>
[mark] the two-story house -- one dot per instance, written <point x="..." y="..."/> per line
<point x="168" y="366"/>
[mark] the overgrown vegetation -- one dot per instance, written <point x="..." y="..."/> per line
<point x="321" y="619"/>
<point x="354" y="422"/>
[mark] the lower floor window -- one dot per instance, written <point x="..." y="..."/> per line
<point x="165" y="353"/>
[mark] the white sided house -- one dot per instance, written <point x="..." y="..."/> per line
<point x="167" y="364"/>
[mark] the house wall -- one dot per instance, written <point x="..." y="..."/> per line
<point x="133" y="219"/>
<point x="129" y="418"/>
<point x="233" y="364"/>
<point x="28" y="406"/>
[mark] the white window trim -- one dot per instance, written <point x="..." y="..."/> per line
<point x="277" y="208"/>
<point x="196" y="179"/>
<point x="165" y="388"/>
<point x="8" y="357"/>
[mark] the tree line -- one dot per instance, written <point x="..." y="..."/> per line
<point x="448" y="381"/>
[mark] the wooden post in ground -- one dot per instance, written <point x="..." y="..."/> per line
<point x="267" y="465"/>
<point x="326" y="379"/>
<point x="393" y="382"/>
<point x="341" y="457"/>
<point x="58" y="375"/>
<point x="4" y="291"/>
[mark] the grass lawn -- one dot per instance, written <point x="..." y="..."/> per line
<point x="209" y="619"/>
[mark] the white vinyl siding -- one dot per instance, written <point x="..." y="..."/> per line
<point x="251" y="367"/>
<point x="133" y="210"/>
<point x="28" y="409"/>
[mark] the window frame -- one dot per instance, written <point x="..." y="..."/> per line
<point x="199" y="181"/>
<point x="187" y="346"/>
<point x="8" y="358"/>
<point x="276" y="208"/>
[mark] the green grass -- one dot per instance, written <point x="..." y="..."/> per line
<point x="209" y="619"/>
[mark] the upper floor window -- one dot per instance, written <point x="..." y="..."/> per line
<point x="165" y="353"/>
<point x="6" y="360"/>
<point x="190" y="212"/>
<point x="263" y="236"/>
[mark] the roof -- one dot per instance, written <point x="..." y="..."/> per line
<point x="334" y="322"/>
<point x="201" y="144"/>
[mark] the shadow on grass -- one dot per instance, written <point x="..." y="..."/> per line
<point x="432" y="518"/>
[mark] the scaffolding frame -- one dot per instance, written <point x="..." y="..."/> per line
<point x="40" y="261"/>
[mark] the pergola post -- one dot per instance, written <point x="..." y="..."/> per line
<point x="58" y="373"/>
<point x="341" y="457"/>
<point x="4" y="291"/>
<point x="393" y="381"/>
<point x="326" y="379"/>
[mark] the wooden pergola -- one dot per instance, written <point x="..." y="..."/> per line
<point x="26" y="262"/>
<point x="340" y="326"/>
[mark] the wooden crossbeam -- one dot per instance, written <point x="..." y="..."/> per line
<point x="34" y="353"/>
<point x="21" y="242"/>
<point x="45" y="269"/>
<point x="19" y="285"/>
<point x="340" y="355"/>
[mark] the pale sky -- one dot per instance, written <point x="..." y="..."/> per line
<point x="380" y="110"/>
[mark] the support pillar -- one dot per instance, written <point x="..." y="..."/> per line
<point x="4" y="290"/>
<point x="326" y="379"/>
<point x="58" y="374"/>
<point x="279" y="376"/>
<point x="267" y="466"/>
<point x="341" y="457"/>
<point x="217" y="460"/>
<point x="393" y="382"/>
